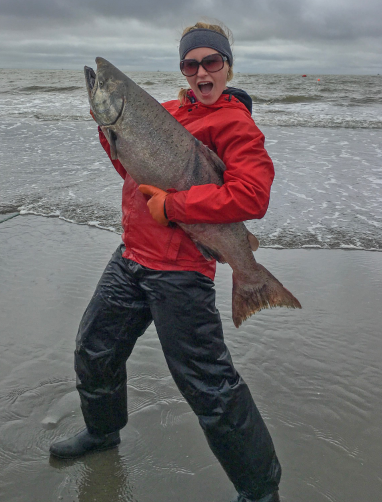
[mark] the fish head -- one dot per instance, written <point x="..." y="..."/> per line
<point x="106" y="91"/>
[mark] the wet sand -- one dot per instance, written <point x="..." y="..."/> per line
<point x="315" y="374"/>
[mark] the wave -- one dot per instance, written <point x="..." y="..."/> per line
<point x="330" y="239"/>
<point x="339" y="100"/>
<point x="45" y="117"/>
<point x="56" y="214"/>
<point x="42" y="88"/>
<point x="263" y="117"/>
<point x="367" y="100"/>
<point x="284" y="119"/>
<point x="343" y="247"/>
<point x="290" y="98"/>
<point x="8" y="209"/>
<point x="285" y="239"/>
<point x="98" y="215"/>
<point x="293" y="243"/>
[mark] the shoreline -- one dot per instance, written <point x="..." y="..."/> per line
<point x="344" y="247"/>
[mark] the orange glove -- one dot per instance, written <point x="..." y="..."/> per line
<point x="156" y="204"/>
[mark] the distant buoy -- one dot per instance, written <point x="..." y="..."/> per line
<point x="304" y="75"/>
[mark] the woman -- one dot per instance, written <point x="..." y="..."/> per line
<point x="159" y="274"/>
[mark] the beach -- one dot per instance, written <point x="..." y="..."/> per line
<point x="314" y="373"/>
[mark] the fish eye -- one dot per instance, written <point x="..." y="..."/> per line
<point x="100" y="83"/>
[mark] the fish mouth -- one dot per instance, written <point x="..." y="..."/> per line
<point x="90" y="77"/>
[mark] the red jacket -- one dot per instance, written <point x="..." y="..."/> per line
<point x="228" y="129"/>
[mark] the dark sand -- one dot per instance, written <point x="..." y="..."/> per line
<point x="315" y="375"/>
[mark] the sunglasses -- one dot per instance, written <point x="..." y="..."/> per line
<point x="211" y="63"/>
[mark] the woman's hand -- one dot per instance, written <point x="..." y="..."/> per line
<point x="156" y="204"/>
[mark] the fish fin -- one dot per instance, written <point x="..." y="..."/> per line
<point x="249" y="298"/>
<point x="208" y="253"/>
<point x="253" y="241"/>
<point x="113" y="146"/>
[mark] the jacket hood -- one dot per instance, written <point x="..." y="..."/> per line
<point x="232" y="92"/>
<point x="241" y="95"/>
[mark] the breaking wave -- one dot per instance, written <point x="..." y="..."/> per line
<point x="41" y="88"/>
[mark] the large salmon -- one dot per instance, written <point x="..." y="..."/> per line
<point x="155" y="149"/>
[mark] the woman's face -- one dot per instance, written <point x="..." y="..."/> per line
<point x="207" y="86"/>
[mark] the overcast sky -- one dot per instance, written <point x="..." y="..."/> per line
<point x="270" y="36"/>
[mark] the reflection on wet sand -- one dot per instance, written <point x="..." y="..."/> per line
<point x="99" y="477"/>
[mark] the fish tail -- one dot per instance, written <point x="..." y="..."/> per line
<point x="249" y="297"/>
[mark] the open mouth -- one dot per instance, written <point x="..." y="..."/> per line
<point x="90" y="77"/>
<point x="205" y="87"/>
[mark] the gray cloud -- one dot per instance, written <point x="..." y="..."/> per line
<point x="344" y="33"/>
<point x="261" y="18"/>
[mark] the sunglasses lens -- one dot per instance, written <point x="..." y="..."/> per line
<point x="213" y="63"/>
<point x="189" y="67"/>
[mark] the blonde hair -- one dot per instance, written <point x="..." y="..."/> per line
<point x="220" y="28"/>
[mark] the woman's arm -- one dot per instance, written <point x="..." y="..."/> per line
<point x="247" y="180"/>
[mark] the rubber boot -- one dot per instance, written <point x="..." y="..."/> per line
<point x="84" y="442"/>
<point x="272" y="497"/>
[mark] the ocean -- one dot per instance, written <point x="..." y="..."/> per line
<point x="322" y="132"/>
<point x="314" y="373"/>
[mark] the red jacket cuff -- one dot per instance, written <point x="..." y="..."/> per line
<point x="175" y="205"/>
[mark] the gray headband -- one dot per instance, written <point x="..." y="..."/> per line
<point x="202" y="37"/>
